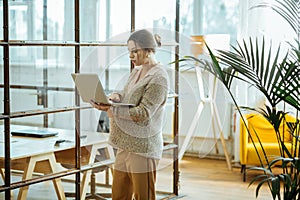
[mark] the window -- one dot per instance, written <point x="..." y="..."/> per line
<point x="40" y="70"/>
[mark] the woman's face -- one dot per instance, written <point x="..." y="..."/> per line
<point x="136" y="54"/>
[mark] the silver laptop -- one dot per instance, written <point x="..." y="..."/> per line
<point x="90" y="89"/>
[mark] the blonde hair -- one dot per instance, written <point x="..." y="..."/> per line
<point x="146" y="40"/>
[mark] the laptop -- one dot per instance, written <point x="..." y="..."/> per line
<point x="34" y="133"/>
<point x="90" y="89"/>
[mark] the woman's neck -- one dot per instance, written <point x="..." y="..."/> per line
<point x="149" y="65"/>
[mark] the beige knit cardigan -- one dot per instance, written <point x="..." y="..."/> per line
<point x="138" y="129"/>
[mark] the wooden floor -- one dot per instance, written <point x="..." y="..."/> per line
<point x="211" y="179"/>
<point x="199" y="179"/>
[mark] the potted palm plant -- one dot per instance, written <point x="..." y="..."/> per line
<point x="278" y="79"/>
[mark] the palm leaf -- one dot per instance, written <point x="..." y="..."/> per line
<point x="275" y="186"/>
<point x="266" y="180"/>
<point x="276" y="160"/>
<point x="225" y="75"/>
<point x="253" y="62"/>
<point x="290" y="11"/>
<point x="273" y="116"/>
<point x="288" y="89"/>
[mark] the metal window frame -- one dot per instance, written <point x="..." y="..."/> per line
<point x="77" y="44"/>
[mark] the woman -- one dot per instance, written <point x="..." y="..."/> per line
<point x="137" y="131"/>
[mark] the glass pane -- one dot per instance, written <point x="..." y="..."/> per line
<point x="94" y="20"/>
<point x="28" y="64"/>
<point x="100" y="20"/>
<point x="41" y="76"/>
<point x="111" y="63"/>
<point x="62" y="120"/>
<point x="158" y="19"/>
<point x="156" y="14"/>
<point x="35" y="20"/>
<point x="221" y="17"/>
<point x="1" y="83"/>
<point x="2" y="147"/>
<point x="186" y="17"/>
<point x="120" y="17"/>
<point x="1" y="19"/>
<point x="2" y="153"/>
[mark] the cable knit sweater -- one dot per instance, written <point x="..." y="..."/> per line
<point x="138" y="129"/>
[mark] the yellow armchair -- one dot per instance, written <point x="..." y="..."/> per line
<point x="256" y="123"/>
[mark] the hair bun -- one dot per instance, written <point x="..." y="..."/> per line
<point x="157" y="39"/>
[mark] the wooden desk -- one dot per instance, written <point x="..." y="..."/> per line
<point x="41" y="155"/>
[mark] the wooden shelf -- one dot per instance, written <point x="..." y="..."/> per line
<point x="43" y="111"/>
<point x="169" y="146"/>
<point x="66" y="43"/>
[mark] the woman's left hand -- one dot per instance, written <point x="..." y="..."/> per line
<point x="103" y="107"/>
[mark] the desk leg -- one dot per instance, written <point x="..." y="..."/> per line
<point x="85" y="180"/>
<point x="2" y="173"/>
<point x="27" y="174"/>
<point x="29" y="171"/>
<point x="87" y="174"/>
<point x="56" y="182"/>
